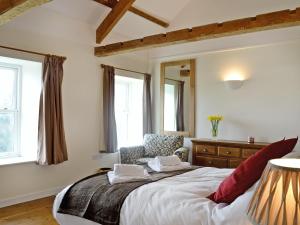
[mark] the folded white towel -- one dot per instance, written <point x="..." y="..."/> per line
<point x="115" y="179"/>
<point x="160" y="168"/>
<point x="128" y="170"/>
<point x="172" y="160"/>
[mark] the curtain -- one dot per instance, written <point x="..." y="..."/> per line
<point x="52" y="147"/>
<point x="180" y="107"/>
<point x="109" y="120"/>
<point x="147" y="114"/>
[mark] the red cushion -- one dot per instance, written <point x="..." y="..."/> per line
<point x="249" y="171"/>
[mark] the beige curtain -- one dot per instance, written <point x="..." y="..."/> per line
<point x="110" y="129"/>
<point x="180" y="107"/>
<point x="52" y="147"/>
<point x="147" y="114"/>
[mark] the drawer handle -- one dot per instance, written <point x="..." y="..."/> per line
<point x="210" y="162"/>
<point x="205" y="150"/>
<point x="228" y="152"/>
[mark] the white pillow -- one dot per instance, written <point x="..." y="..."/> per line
<point x="235" y="213"/>
<point x="293" y="154"/>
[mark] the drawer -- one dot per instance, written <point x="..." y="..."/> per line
<point x="247" y="152"/>
<point x="233" y="163"/>
<point x="206" y="149"/>
<point x="230" y="152"/>
<point x="211" y="162"/>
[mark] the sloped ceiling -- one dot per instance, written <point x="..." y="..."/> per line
<point x="78" y="20"/>
<point x="200" y="12"/>
<point x="179" y="13"/>
<point x="131" y="26"/>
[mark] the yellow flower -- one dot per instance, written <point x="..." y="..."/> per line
<point x="215" y="118"/>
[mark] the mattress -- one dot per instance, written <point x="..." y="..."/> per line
<point x="178" y="200"/>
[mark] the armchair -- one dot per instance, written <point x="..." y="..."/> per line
<point x="154" y="145"/>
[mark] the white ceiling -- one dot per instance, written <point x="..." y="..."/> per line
<point x="179" y="13"/>
<point x="86" y="11"/>
<point x="131" y="26"/>
<point x="91" y="12"/>
<point x="199" y="12"/>
<point x="78" y="20"/>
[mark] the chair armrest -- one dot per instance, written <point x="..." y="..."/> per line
<point x="183" y="154"/>
<point x="130" y="155"/>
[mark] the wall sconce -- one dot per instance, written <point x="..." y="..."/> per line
<point x="234" y="80"/>
<point x="234" y="84"/>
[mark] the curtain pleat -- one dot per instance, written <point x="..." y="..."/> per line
<point x="52" y="148"/>
<point x="147" y="109"/>
<point x="109" y="120"/>
<point x="180" y="107"/>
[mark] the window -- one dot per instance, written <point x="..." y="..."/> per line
<point x="9" y="110"/>
<point x="129" y="110"/>
<point x="20" y="83"/>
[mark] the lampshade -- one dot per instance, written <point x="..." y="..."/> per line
<point x="234" y="84"/>
<point x="276" y="200"/>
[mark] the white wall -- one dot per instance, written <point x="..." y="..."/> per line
<point x="200" y="12"/>
<point x="82" y="104"/>
<point x="266" y="107"/>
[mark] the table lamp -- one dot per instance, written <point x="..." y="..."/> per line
<point x="277" y="198"/>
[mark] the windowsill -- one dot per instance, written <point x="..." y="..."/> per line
<point x="15" y="161"/>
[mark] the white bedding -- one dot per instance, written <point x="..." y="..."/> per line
<point x="178" y="200"/>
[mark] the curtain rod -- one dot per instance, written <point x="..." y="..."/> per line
<point x="102" y="65"/>
<point x="31" y="52"/>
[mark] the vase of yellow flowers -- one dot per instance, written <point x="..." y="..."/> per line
<point x="215" y="120"/>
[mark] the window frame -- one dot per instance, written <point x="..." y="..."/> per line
<point x="15" y="111"/>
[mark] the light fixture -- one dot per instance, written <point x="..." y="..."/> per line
<point x="234" y="84"/>
<point x="234" y="79"/>
<point x="277" y="198"/>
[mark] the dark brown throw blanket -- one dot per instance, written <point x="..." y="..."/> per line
<point x="95" y="199"/>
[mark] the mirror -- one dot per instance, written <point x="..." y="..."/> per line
<point x="178" y="97"/>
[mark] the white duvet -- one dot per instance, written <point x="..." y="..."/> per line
<point x="178" y="200"/>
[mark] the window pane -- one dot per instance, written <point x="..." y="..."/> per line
<point x="7" y="87"/>
<point x="7" y="125"/>
<point x="121" y="96"/>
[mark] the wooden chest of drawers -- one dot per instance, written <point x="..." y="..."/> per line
<point x="222" y="154"/>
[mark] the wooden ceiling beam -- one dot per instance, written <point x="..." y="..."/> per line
<point x="9" y="9"/>
<point x="268" y="21"/>
<point x="112" y="19"/>
<point x="139" y="12"/>
<point x="149" y="17"/>
<point x="108" y="3"/>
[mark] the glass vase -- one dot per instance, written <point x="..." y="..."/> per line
<point x="214" y="133"/>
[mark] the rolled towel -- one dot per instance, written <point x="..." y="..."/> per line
<point x="114" y="179"/>
<point x="128" y="170"/>
<point x="160" y="168"/>
<point x="171" y="160"/>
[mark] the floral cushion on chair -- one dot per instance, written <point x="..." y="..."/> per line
<point x="161" y="145"/>
<point x="130" y="155"/>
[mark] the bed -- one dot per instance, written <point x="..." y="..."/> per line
<point x="177" y="200"/>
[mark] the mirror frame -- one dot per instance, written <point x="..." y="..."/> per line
<point x="191" y="131"/>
